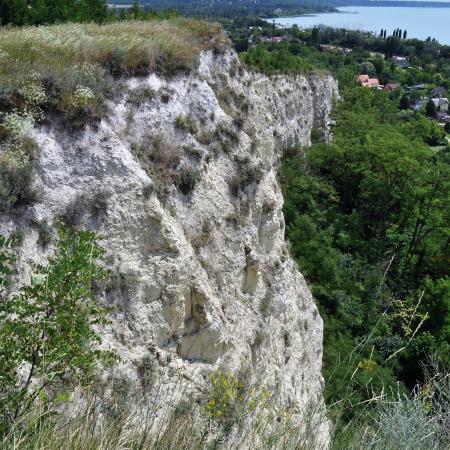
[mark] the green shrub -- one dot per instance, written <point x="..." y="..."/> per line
<point x="46" y="327"/>
<point x="248" y="173"/>
<point x="226" y="397"/>
<point x="45" y="232"/>
<point x="160" y="158"/>
<point x="96" y="205"/>
<point x="226" y="137"/>
<point x="141" y="95"/>
<point x="317" y="136"/>
<point x="186" y="124"/>
<point x="147" y="369"/>
<point x="187" y="178"/>
<point x="7" y="259"/>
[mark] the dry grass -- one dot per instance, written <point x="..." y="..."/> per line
<point x="57" y="60"/>
<point x="184" y="427"/>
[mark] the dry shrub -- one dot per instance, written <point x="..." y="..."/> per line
<point x="16" y="174"/>
<point x="160" y="158"/>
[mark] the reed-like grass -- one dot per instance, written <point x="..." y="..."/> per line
<point x="165" y="45"/>
<point x="62" y="61"/>
<point x="420" y="420"/>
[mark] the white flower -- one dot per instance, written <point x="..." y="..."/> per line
<point x="33" y="92"/>
<point x="82" y="96"/>
<point x="18" y="125"/>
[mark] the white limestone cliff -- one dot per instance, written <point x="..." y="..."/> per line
<point x="193" y="225"/>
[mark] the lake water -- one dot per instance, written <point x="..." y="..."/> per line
<point x="419" y="22"/>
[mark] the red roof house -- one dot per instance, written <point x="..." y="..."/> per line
<point x="366" y="81"/>
<point x="391" y="87"/>
<point x="362" y="79"/>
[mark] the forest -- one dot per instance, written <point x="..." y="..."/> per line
<point x="25" y="12"/>
<point x="367" y="215"/>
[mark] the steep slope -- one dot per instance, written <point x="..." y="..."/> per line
<point x="180" y="179"/>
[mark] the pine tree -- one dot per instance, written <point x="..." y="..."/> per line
<point x="315" y="35"/>
<point x="404" y="102"/>
<point x="430" y="108"/>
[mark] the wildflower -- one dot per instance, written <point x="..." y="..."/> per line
<point x="33" y="91"/>
<point x="82" y="97"/>
<point x="18" y="125"/>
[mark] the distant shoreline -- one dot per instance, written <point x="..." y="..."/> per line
<point x="369" y="4"/>
<point x="394" y="4"/>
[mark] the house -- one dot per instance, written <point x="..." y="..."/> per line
<point x="362" y="79"/>
<point x="274" y="39"/>
<point x="441" y="104"/>
<point x="278" y="39"/>
<point x="374" y="83"/>
<point x="437" y="92"/>
<point x="401" y="61"/>
<point x="391" y="87"/>
<point x="442" y="117"/>
<point x="366" y="81"/>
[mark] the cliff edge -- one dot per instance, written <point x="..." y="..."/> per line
<point x="179" y="176"/>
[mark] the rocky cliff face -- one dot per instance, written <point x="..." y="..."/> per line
<point x="180" y="178"/>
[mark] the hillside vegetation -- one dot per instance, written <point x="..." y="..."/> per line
<point x="366" y="215"/>
<point x="46" y="65"/>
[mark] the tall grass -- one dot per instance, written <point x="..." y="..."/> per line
<point x="114" y="414"/>
<point x="419" y="420"/>
<point x="103" y="424"/>
<point x="165" y="45"/>
<point x="71" y="65"/>
<point x="409" y="422"/>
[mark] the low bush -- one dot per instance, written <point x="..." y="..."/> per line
<point x="46" y="335"/>
<point x="226" y="137"/>
<point x="16" y="170"/>
<point x="45" y="233"/>
<point x="317" y="136"/>
<point x="160" y="158"/>
<point x="186" y="124"/>
<point x="96" y="205"/>
<point x="186" y="179"/>
<point x="141" y="95"/>
<point x="248" y="173"/>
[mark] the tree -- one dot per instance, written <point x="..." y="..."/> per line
<point x="46" y="334"/>
<point x="13" y="11"/>
<point x="315" y="36"/>
<point x="135" y="11"/>
<point x="447" y="127"/>
<point x="404" y="102"/>
<point x="36" y="12"/>
<point x="430" y="108"/>
<point x="405" y="34"/>
<point x="90" y="10"/>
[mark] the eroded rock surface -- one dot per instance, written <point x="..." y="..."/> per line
<point x="180" y="178"/>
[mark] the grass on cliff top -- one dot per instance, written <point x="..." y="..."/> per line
<point x="59" y="59"/>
